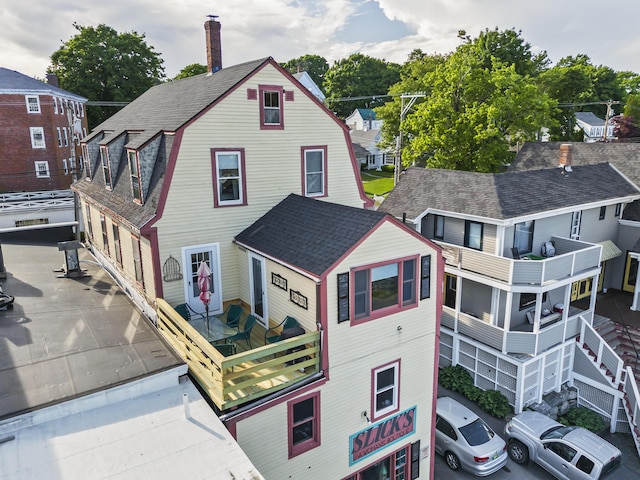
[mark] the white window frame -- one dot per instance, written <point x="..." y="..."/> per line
<point x="59" y="136"/>
<point x="55" y="105"/>
<point x="65" y="134"/>
<point x="42" y="169"/>
<point x="36" y="142"/>
<point x="313" y="174"/>
<point x="221" y="179"/>
<point x="378" y="412"/>
<point x="65" y="166"/>
<point x="32" y="107"/>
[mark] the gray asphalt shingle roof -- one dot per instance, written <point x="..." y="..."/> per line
<point x="307" y="233"/>
<point x="503" y="196"/>
<point x="16" y="82"/>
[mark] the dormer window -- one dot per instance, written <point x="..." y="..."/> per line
<point x="87" y="162"/>
<point x="33" y="103"/>
<point x="271" y="112"/>
<point x="135" y="176"/>
<point x="104" y="158"/>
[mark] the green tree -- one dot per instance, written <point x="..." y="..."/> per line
<point x="315" y="65"/>
<point x="191" y="70"/>
<point x="474" y="114"/>
<point x="358" y="76"/>
<point x="508" y="47"/>
<point x="104" y="65"/>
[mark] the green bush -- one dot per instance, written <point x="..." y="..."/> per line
<point x="455" y="378"/>
<point x="387" y="168"/>
<point x="494" y="403"/>
<point x="583" y="417"/>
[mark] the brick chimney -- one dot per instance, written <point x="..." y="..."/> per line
<point x="565" y="156"/>
<point x="52" y="79"/>
<point x="214" y="47"/>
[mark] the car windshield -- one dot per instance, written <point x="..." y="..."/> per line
<point x="477" y="432"/>
<point x="557" y="432"/>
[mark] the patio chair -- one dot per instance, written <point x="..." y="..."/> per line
<point x="245" y="334"/>
<point x="185" y="311"/>
<point x="226" y="349"/>
<point x="232" y="316"/>
<point x="288" y="322"/>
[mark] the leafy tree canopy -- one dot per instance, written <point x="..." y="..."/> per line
<point x="508" y="47"/>
<point x="191" y="70"/>
<point x="315" y="65"/>
<point x="358" y="76"/>
<point x="104" y="65"/>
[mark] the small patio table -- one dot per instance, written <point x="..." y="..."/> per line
<point x="215" y="330"/>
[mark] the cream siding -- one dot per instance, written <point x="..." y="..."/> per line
<point x="353" y="352"/>
<point x="272" y="171"/>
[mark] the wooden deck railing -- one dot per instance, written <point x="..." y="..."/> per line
<point x="246" y="376"/>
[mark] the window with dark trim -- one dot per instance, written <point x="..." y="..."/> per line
<point x="529" y="299"/>
<point x="473" y="234"/>
<point x="116" y="243"/>
<point x="425" y="277"/>
<point x="383" y="289"/>
<point x="603" y="212"/>
<point x="137" y="258"/>
<point x="228" y="177"/>
<point x="271" y="107"/>
<point x="105" y="235"/>
<point x="343" y="297"/>
<point x="618" y="210"/>
<point x="314" y="167"/>
<point x="104" y="158"/>
<point x="304" y="424"/>
<point x="438" y="227"/>
<point x="385" y="390"/>
<point x="136" y="188"/>
<point x="523" y="236"/>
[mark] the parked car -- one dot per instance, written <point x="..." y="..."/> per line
<point x="567" y="452"/>
<point x="466" y="441"/>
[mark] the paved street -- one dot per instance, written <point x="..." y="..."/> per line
<point x="630" y="469"/>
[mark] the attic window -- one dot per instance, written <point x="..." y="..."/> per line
<point x="271" y="110"/>
<point x="134" y="170"/>
<point x="104" y="156"/>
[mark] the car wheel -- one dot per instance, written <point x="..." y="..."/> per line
<point x="452" y="460"/>
<point x="518" y="452"/>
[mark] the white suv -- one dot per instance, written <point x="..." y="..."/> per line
<point x="572" y="452"/>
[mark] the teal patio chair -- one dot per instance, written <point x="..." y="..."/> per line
<point x="226" y="349"/>
<point x="288" y="322"/>
<point x="185" y="311"/>
<point x="232" y="316"/>
<point x="245" y="334"/>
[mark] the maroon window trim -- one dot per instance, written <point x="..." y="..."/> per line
<point x="314" y="439"/>
<point x="303" y="151"/>
<point x="265" y="89"/>
<point x="217" y="201"/>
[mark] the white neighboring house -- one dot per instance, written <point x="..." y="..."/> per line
<point x="369" y="154"/>
<point x="593" y="127"/>
<point x="363" y="119"/>
<point x="305" y="79"/>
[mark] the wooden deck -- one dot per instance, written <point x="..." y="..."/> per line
<point x="250" y="373"/>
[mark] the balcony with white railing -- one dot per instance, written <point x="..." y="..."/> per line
<point x="572" y="257"/>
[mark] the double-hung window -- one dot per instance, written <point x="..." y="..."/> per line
<point x="386" y="390"/>
<point x="116" y="243"/>
<point x="304" y="424"/>
<point x="137" y="258"/>
<point x="42" y="169"/>
<point x="33" y="103"/>
<point x="37" y="137"/>
<point x="228" y="172"/>
<point x="384" y="289"/>
<point x="523" y="236"/>
<point x="104" y="157"/>
<point x="271" y="111"/>
<point x="87" y="215"/>
<point x="473" y="235"/>
<point x="135" y="176"/>
<point x="315" y="171"/>
<point x="105" y="235"/>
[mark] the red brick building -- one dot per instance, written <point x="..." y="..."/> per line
<point x="40" y="126"/>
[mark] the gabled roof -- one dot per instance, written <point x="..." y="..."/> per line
<point x="589" y="118"/>
<point x="168" y="106"/>
<point x="364" y="137"/>
<point x="13" y="82"/>
<point x="367" y="113"/>
<point x="503" y="196"/>
<point x="623" y="156"/>
<point x="309" y="234"/>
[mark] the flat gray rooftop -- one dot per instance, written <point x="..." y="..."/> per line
<point x="68" y="337"/>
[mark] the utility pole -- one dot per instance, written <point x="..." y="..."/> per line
<point x="71" y="120"/>
<point x="410" y="100"/>
<point x="608" y="115"/>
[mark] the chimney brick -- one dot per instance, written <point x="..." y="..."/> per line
<point x="214" y="46"/>
<point x="52" y="79"/>
<point x="565" y="155"/>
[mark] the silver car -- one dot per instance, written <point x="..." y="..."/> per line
<point x="572" y="452"/>
<point x="466" y="441"/>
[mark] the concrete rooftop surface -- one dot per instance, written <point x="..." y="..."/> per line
<point x="67" y="337"/>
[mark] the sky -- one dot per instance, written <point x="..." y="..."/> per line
<point x="30" y="31"/>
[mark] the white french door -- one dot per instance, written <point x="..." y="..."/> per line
<point x="258" y="280"/>
<point x="191" y="258"/>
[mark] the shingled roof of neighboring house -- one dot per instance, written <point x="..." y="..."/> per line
<point x="161" y="109"/>
<point x="590" y="118"/>
<point x="503" y="196"/>
<point x="309" y="234"/>
<point x="623" y="156"/>
<point x="13" y="82"/>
